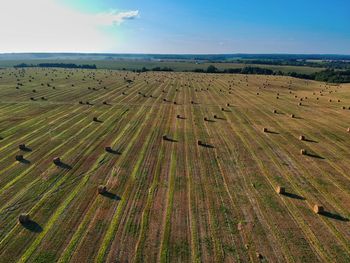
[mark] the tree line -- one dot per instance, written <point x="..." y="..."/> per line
<point x="328" y="75"/>
<point x="56" y="65"/>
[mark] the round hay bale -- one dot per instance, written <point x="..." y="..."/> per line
<point x="95" y="119"/>
<point x="56" y="160"/>
<point x="318" y="209"/>
<point x="274" y="111"/>
<point x="22" y="147"/>
<point x="280" y="190"/>
<point x="303" y="152"/>
<point x="108" y="149"/>
<point x="264" y="129"/>
<point x="24" y="218"/>
<point x="199" y="142"/>
<point x="19" y="158"/>
<point x="258" y="255"/>
<point x="348" y="129"/>
<point x="102" y="189"/>
<point x="302" y="137"/>
<point x="292" y="116"/>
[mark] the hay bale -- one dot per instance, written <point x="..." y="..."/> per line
<point x="258" y="255"/>
<point x="318" y="209"/>
<point x="56" y="160"/>
<point x="22" y="147"/>
<point x="108" y="149"/>
<point x="199" y="142"/>
<point x="348" y="129"/>
<point x="265" y="129"/>
<point x="95" y="119"/>
<point x="302" y="137"/>
<point x="24" y="218"/>
<point x="102" y="189"/>
<point x="215" y="117"/>
<point x="303" y="152"/>
<point x="165" y="137"/>
<point x="274" y="111"/>
<point x="280" y="190"/>
<point x="19" y="158"/>
<point x="292" y="116"/>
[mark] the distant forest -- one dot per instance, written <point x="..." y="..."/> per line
<point x="328" y="75"/>
<point x="55" y="65"/>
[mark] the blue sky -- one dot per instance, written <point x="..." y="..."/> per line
<point x="164" y="26"/>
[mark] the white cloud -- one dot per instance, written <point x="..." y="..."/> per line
<point x="47" y="26"/>
<point x="114" y="18"/>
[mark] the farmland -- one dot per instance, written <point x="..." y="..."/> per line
<point x="172" y="199"/>
<point x="185" y="65"/>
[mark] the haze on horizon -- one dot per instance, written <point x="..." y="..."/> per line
<point x="173" y="27"/>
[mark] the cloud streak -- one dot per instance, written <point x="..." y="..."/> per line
<point x="114" y="17"/>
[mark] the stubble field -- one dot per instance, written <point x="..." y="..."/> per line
<point x="171" y="199"/>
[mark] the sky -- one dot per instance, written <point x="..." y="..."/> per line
<point x="175" y="26"/>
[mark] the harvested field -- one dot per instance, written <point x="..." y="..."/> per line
<point x="218" y="176"/>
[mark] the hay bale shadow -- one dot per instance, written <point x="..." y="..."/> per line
<point x="309" y="140"/>
<point x="32" y="226"/>
<point x="24" y="161"/>
<point x="221" y="118"/>
<point x="294" y="196"/>
<point x="111" y="196"/>
<point x="64" y="165"/>
<point x="206" y="145"/>
<point x="170" y="139"/>
<point x="25" y="149"/>
<point x="116" y="152"/>
<point x="313" y="155"/>
<point x="334" y="216"/>
<point x="272" y="132"/>
<point x="208" y="120"/>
